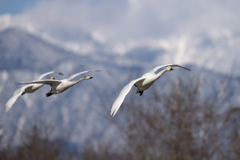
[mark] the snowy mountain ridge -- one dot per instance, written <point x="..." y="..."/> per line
<point x="216" y="50"/>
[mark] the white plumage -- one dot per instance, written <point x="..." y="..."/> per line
<point x="59" y="86"/>
<point x="30" y="88"/>
<point x="142" y="83"/>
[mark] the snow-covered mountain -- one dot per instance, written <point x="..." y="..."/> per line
<point x="25" y="56"/>
<point x="216" y="49"/>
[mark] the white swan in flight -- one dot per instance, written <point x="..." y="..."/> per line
<point x="142" y="83"/>
<point x="59" y="86"/>
<point x="27" y="89"/>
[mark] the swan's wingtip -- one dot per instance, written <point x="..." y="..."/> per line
<point x="60" y="73"/>
<point x="112" y="113"/>
<point x="7" y="109"/>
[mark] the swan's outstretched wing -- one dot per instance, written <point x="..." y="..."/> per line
<point x="73" y="76"/>
<point x="43" y="75"/>
<point x="116" y="105"/>
<point x="16" y="94"/>
<point x="171" y="65"/>
<point x="46" y="81"/>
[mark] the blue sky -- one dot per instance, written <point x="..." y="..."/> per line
<point x="15" y="6"/>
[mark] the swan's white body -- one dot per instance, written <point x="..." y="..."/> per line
<point x="30" y="88"/>
<point x="59" y="86"/>
<point x="142" y="83"/>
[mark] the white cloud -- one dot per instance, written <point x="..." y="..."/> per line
<point x="120" y="20"/>
<point x="99" y="37"/>
<point x="79" y="48"/>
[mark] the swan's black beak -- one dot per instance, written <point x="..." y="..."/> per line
<point x="90" y="77"/>
<point x="171" y="69"/>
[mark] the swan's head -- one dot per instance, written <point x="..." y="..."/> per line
<point x="51" y="77"/>
<point x="170" y="69"/>
<point x="88" y="77"/>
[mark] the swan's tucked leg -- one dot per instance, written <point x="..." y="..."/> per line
<point x="138" y="91"/>
<point x="48" y="93"/>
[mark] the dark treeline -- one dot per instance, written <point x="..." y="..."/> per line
<point x="177" y="124"/>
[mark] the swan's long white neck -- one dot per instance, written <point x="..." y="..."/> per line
<point x="78" y="80"/>
<point x="161" y="73"/>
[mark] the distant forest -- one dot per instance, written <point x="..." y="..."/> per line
<point x="175" y="124"/>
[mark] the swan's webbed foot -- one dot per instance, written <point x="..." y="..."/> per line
<point x="23" y="93"/>
<point x="141" y="92"/>
<point x="48" y="94"/>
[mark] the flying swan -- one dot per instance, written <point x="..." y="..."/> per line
<point x="59" y="86"/>
<point x="142" y="83"/>
<point x="27" y="89"/>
